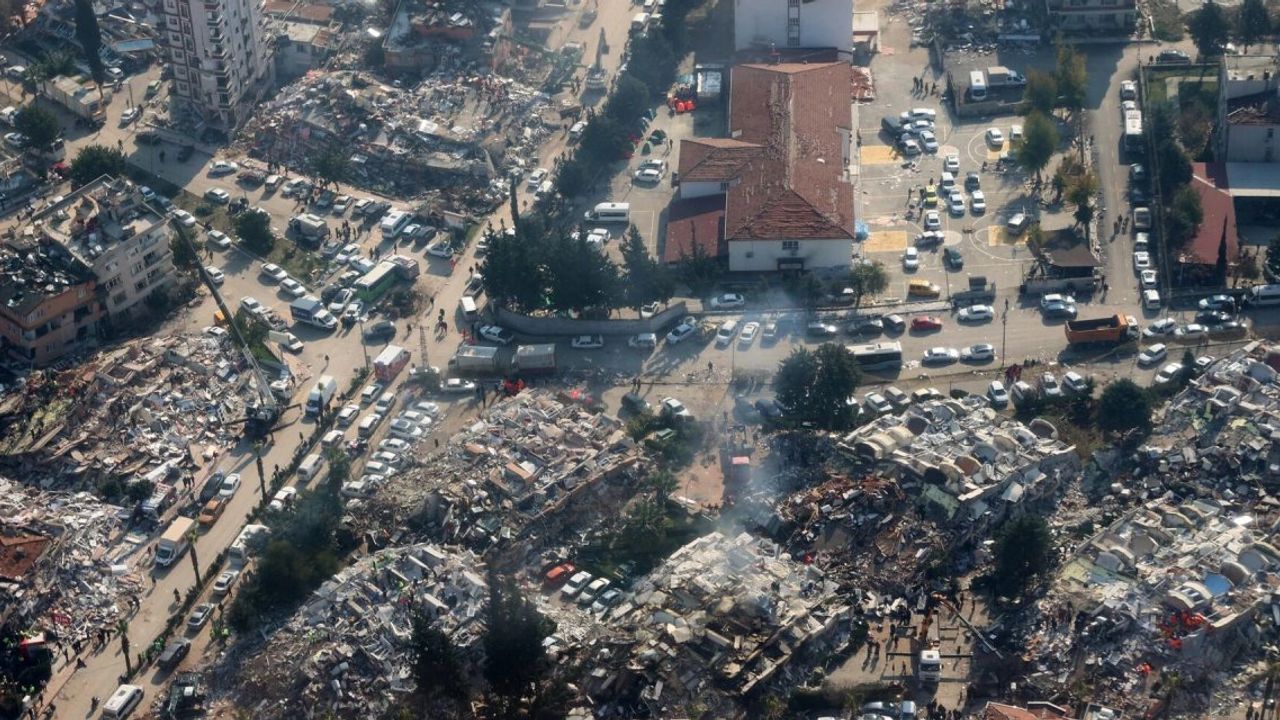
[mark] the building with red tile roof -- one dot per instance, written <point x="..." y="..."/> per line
<point x="782" y="175"/>
<point x="1208" y="180"/>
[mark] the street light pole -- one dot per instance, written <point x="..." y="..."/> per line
<point x="1004" y="330"/>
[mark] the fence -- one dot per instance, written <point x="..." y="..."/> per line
<point x="552" y="326"/>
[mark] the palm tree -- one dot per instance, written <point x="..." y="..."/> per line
<point x="257" y="459"/>
<point x="195" y="561"/>
<point x="122" y="627"/>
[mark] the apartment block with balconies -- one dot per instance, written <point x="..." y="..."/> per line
<point x="219" y="56"/>
<point x="1092" y="16"/>
<point x="49" y="304"/>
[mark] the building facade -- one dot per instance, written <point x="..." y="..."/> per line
<point x="219" y="56"/>
<point x="1248" y="110"/>
<point x="49" y="305"/>
<point x="1086" y="16"/>
<point x="124" y="242"/>
<point x="761" y="24"/>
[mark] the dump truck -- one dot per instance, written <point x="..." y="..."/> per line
<point x="1107" y="330"/>
<point x="390" y="362"/>
<point x="477" y="359"/>
<point x="175" y="541"/>
<point x="530" y="359"/>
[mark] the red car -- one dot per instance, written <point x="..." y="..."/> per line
<point x="926" y="322"/>
<point x="559" y="575"/>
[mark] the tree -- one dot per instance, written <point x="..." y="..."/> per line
<point x="51" y="65"/>
<point x="1039" y="141"/>
<point x="1081" y="191"/>
<point x="1220" y="268"/>
<point x="805" y="288"/>
<point x="254" y="229"/>
<point x="1182" y="217"/>
<point x="39" y="125"/>
<point x="94" y="161"/>
<point x="867" y="279"/>
<point x="571" y="178"/>
<point x="1022" y="552"/>
<point x="195" y="559"/>
<point x="1124" y="406"/>
<point x="90" y="39"/>
<point x="437" y="671"/>
<point x="1209" y="29"/>
<point x="579" y="276"/>
<point x="1073" y="80"/>
<point x="1273" y="258"/>
<point x="1041" y="93"/>
<point x="332" y="164"/>
<point x="512" y="272"/>
<point x="647" y="281"/>
<point x="122" y="628"/>
<point x="514" y="658"/>
<point x="1252" y="23"/>
<point x="630" y="99"/>
<point x="262" y="476"/>
<point x="815" y="386"/>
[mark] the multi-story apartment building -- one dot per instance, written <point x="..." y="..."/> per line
<point x="793" y="24"/>
<point x="1087" y="16"/>
<point x="49" y="304"/>
<point x="1248" y="110"/>
<point x="124" y="242"/>
<point x="219" y="55"/>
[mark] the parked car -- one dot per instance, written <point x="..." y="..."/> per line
<point x="727" y="301"/>
<point x="997" y="394"/>
<point x="940" y="356"/>
<point x="1168" y="374"/>
<point x="497" y="334"/>
<point x="926" y="323"/>
<point x="225" y="580"/>
<point x="199" y="616"/>
<point x="222" y="167"/>
<point x="687" y="327"/>
<point x="976" y="313"/>
<point x="587" y="342"/>
<point x="1153" y="354"/>
<point x="979" y="352"/>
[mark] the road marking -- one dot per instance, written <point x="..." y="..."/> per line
<point x="885" y="241"/>
<point x="878" y="155"/>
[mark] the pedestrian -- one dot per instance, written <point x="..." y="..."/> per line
<point x="176" y="596"/>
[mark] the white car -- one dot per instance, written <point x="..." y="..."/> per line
<point x="216" y="332"/>
<point x="646" y="341"/>
<point x="1148" y="278"/>
<point x="130" y="114"/>
<point x="292" y="343"/>
<point x="347" y="415"/>
<point x="877" y="403"/>
<point x="673" y="408"/>
<point x="217" y="195"/>
<point x="341" y="204"/>
<point x="911" y="259"/>
<point x="222" y="167"/>
<point x="955" y="203"/>
<point x="981" y="351"/>
<point x="1075" y="382"/>
<point x="16" y="140"/>
<point x="1015" y="133"/>
<point x="1161" y="327"/>
<point x="225" y="580"/>
<point x="497" y="334"/>
<point x="252" y="306"/>
<point x="997" y="394"/>
<point x="976" y="313"/>
<point x="215" y="275"/>
<point x="647" y="175"/>
<point x="724" y="335"/>
<point x="1049" y="386"/>
<point x="273" y="272"/>
<point x="536" y="177"/>
<point x="1141" y="261"/>
<point x="929" y="141"/>
<point x="283" y="498"/>
<point x="1168" y="374"/>
<point x="185" y="219"/>
<point x="292" y="288"/>
<point x="1203" y="362"/>
<point x="910" y="147"/>
<point x="932" y="220"/>
<point x="442" y="248"/>
<point x="416" y="417"/>
<point x="727" y="300"/>
<point x="347" y="252"/>
<point x="951" y="164"/>
<point x="576" y="583"/>
<point x="977" y="202"/>
<point x="1192" y="331"/>
<point x="405" y="430"/>
<point x="457" y="386"/>
<point x="587" y="342"/>
<point x="393" y="445"/>
<point x="995" y="138"/>
<point x="940" y="355"/>
<point x="1153" y="354"/>
<point x="426" y="407"/>
<point x="230" y="484"/>
<point x="363" y="265"/>
<point x="683" y="331"/>
<point x="218" y="239"/>
<point x="748" y="335"/>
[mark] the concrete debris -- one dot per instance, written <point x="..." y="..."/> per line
<point x="347" y="650"/>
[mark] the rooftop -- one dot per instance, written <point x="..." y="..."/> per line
<point x="103" y="212"/>
<point x="304" y="12"/>
<point x="1209" y="182"/>
<point x="19" y="552"/>
<point x="30" y="275"/>
<point x="695" y="226"/>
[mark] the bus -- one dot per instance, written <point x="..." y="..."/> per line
<point x="1133" y="131"/>
<point x="374" y="284"/>
<point x="878" y="356"/>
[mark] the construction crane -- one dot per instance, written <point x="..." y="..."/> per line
<point x="261" y="416"/>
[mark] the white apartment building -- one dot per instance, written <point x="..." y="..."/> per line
<point x="783" y="24"/>
<point x="125" y="242"/>
<point x="220" y="57"/>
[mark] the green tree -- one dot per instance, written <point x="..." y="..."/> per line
<point x="1124" y="406"/>
<point x="375" y="56"/>
<point x="806" y="289"/>
<point x="571" y="178"/>
<point x="513" y="272"/>
<point x="39" y="125"/>
<point x="1273" y="258"/>
<point x="700" y="271"/>
<point x="1073" y="80"/>
<point x="437" y="671"/>
<point x="90" y="39"/>
<point x="867" y="279"/>
<point x="1182" y="217"/>
<point x="51" y="65"/>
<point x="254" y="231"/>
<point x="1209" y="29"/>
<point x="1023" y="549"/>
<point x="579" y="276"/>
<point x="652" y="62"/>
<point x="1041" y="93"/>
<point x="94" y="161"/>
<point x="515" y="661"/>
<point x="1252" y="23"/>
<point x="1082" y="190"/>
<point x="332" y="164"/>
<point x="122" y="629"/>
<point x="1039" y="142"/>
<point x="647" y="280"/>
<point x="1220" y="268"/>
<point x="815" y="386"/>
<point x="630" y="99"/>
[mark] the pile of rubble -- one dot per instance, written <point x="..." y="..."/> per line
<point x="518" y="467"/>
<point x="64" y="562"/>
<point x="347" y="650"/>
<point x="721" y="617"/>
<point x="142" y="410"/>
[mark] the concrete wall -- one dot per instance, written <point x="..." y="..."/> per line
<point x="763" y="255"/>
<point x="823" y="23"/>
<point x="554" y="326"/>
<point x="698" y="189"/>
<point x="1251" y="142"/>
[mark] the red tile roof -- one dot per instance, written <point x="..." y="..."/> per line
<point x="19" y="553"/>
<point x="715" y="159"/>
<point x="695" y="222"/>
<point x="797" y="188"/>
<point x="1219" y="217"/>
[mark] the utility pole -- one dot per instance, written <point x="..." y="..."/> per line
<point x="1004" y="331"/>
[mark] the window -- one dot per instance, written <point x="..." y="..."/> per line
<point x="750" y="254"/>
<point x="791" y="245"/>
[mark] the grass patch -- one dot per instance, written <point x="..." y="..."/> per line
<point x="1166" y="20"/>
<point x="1198" y="83"/>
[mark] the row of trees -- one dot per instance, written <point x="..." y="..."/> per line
<point x="1183" y="211"/>
<point x="818" y="386"/>
<point x="1213" y="25"/>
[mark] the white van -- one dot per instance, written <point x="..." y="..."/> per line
<point x="638" y="21"/>
<point x="544" y="190"/>
<point x="310" y="466"/>
<point x="977" y="86"/>
<point x="122" y="702"/>
<point x="368" y="424"/>
<point x="468" y="306"/>
<point x="1150" y="299"/>
<point x="575" y="132"/>
<point x="332" y="439"/>
<point x="393" y="223"/>
<point x="609" y="212"/>
<point x="273" y="182"/>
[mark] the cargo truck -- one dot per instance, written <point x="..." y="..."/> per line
<point x="998" y="76"/>
<point x="311" y="229"/>
<point x="390" y="362"/>
<point x="321" y="395"/>
<point x="1107" y="330"/>
<point x="174" y="542"/>
<point x="476" y="359"/>
<point x="529" y="359"/>
<point x="79" y="95"/>
<point x="311" y="311"/>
